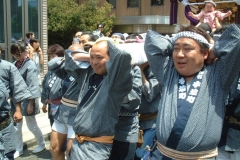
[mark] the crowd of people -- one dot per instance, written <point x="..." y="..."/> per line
<point x="126" y="97"/>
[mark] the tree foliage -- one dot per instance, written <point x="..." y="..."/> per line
<point x="65" y="18"/>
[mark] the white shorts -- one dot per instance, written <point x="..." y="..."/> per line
<point x="63" y="129"/>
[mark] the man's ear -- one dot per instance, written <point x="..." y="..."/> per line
<point x="206" y="54"/>
<point x="210" y="58"/>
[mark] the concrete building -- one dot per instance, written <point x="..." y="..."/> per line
<point x="17" y="17"/>
<point x="137" y="16"/>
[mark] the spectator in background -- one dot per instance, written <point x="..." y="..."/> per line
<point x="99" y="30"/>
<point x="36" y="55"/>
<point x="29" y="36"/>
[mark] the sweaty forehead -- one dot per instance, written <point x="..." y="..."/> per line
<point x="101" y="44"/>
<point x="99" y="47"/>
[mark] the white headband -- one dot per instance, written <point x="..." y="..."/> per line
<point x="192" y="35"/>
<point x="210" y="1"/>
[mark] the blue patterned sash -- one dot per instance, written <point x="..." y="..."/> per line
<point x="185" y="103"/>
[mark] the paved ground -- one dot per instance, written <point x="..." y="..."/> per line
<point x="28" y="155"/>
<point x="30" y="142"/>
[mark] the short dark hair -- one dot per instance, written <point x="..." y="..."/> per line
<point x="31" y="41"/>
<point x="56" y="49"/>
<point x="205" y="27"/>
<point x="17" y="47"/>
<point x="91" y="36"/>
<point x="28" y="34"/>
<point x="134" y="36"/>
<point x="200" y="31"/>
<point x="0" y="48"/>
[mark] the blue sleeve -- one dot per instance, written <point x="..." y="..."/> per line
<point x="153" y="88"/>
<point x="56" y="65"/>
<point x="158" y="50"/>
<point x="227" y="50"/>
<point x="133" y="99"/>
<point x="45" y="92"/>
<point x="18" y="87"/>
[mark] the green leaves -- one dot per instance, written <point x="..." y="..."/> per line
<point x="65" y="18"/>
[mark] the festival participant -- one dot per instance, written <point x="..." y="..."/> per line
<point x="29" y="107"/>
<point x="105" y="84"/>
<point x="127" y="127"/>
<point x="18" y="91"/>
<point x="52" y="85"/>
<point x="4" y="112"/>
<point x="118" y="38"/>
<point x="63" y="121"/>
<point x="192" y="106"/>
<point x="229" y="145"/>
<point x="151" y="94"/>
<point x="210" y="16"/>
<point x="87" y="39"/>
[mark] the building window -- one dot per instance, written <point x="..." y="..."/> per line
<point x="132" y="3"/>
<point x="2" y="28"/>
<point x="112" y="2"/>
<point x="33" y="17"/>
<point x="16" y="20"/>
<point x="156" y="2"/>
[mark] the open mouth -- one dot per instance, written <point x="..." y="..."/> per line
<point x="181" y="64"/>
